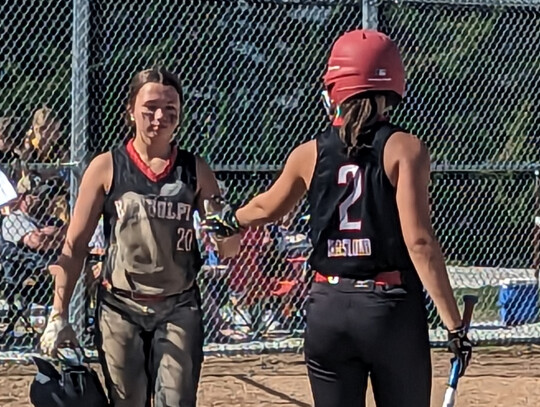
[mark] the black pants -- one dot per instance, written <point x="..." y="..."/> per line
<point x="380" y="333"/>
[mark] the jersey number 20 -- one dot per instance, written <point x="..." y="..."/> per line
<point x="346" y="172"/>
<point x="185" y="240"/>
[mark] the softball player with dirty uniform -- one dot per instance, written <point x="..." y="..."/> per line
<point x="149" y="323"/>
<point x="373" y="245"/>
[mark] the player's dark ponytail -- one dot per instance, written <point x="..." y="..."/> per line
<point x="358" y="113"/>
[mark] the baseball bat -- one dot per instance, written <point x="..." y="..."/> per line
<point x="450" y="394"/>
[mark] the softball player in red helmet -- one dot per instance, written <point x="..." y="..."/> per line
<point x="374" y="249"/>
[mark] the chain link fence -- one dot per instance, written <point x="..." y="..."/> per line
<point x="35" y="113"/>
<point x="473" y="94"/>
<point x="251" y="72"/>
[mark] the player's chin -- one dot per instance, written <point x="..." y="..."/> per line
<point x="161" y="133"/>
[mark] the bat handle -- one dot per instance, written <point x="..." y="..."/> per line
<point x="470" y="301"/>
<point x="454" y="373"/>
<point x="449" y="397"/>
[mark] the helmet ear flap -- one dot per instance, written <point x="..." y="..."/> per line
<point x="329" y="105"/>
<point x="393" y="99"/>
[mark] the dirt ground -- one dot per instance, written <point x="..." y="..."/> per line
<point x="499" y="376"/>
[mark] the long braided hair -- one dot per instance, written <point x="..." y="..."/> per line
<point x="358" y="114"/>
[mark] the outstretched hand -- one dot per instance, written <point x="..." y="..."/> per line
<point x="220" y="222"/>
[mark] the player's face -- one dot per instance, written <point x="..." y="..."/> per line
<point x="156" y="110"/>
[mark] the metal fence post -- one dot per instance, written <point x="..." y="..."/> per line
<point x="370" y="18"/>
<point x="536" y="233"/>
<point x="79" y="126"/>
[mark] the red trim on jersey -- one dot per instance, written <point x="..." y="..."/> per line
<point x="145" y="169"/>
<point x="338" y="121"/>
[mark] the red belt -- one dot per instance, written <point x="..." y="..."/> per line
<point x="385" y="278"/>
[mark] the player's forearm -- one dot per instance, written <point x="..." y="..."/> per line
<point x="229" y="247"/>
<point x="256" y="213"/>
<point x="429" y="263"/>
<point x="66" y="273"/>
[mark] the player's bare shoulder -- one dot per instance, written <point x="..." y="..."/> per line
<point x="405" y="145"/>
<point x="404" y="149"/>
<point x="100" y="170"/>
<point x="303" y="159"/>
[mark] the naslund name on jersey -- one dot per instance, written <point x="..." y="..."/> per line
<point x="349" y="247"/>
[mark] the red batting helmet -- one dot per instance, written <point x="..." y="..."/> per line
<point x="364" y="61"/>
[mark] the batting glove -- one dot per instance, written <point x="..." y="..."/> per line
<point x="57" y="332"/>
<point x="460" y="345"/>
<point x="221" y="223"/>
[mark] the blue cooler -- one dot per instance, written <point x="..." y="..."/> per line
<point x="518" y="301"/>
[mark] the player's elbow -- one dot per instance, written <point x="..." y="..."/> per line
<point x="426" y="255"/>
<point x="422" y="245"/>
<point x="264" y="211"/>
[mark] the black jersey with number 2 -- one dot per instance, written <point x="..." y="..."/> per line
<point x="355" y="227"/>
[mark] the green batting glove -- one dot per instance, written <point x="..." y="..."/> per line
<point x="222" y="223"/>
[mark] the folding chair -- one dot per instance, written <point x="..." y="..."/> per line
<point x="22" y="278"/>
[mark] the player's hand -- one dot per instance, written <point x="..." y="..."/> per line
<point x="57" y="332"/>
<point x="221" y="223"/>
<point x="460" y="345"/>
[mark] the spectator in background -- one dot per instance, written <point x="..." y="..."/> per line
<point x="8" y="154"/>
<point x="45" y="144"/>
<point x="30" y="225"/>
<point x="59" y="202"/>
<point x="31" y="239"/>
<point x="44" y="141"/>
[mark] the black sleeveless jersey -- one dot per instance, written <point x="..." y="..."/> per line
<point x="148" y="222"/>
<point x="355" y="227"/>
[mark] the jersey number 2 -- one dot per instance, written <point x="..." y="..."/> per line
<point x="344" y="174"/>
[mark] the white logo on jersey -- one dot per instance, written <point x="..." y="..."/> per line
<point x="349" y="247"/>
<point x="153" y="208"/>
